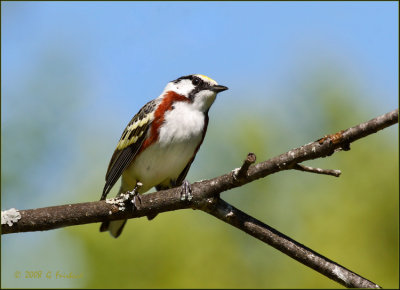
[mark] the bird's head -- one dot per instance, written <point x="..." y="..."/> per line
<point x="200" y="90"/>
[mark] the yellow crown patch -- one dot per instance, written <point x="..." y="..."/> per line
<point x="208" y="78"/>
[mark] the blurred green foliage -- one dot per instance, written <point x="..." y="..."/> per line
<point x="352" y="220"/>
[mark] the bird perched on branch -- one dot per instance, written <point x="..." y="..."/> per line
<point x="161" y="141"/>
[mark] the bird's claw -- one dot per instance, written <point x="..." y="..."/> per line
<point x="134" y="200"/>
<point x="134" y="196"/>
<point x="186" y="193"/>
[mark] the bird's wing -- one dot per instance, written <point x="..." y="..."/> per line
<point x="129" y="144"/>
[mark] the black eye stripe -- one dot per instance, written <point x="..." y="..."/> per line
<point x="194" y="92"/>
<point x="198" y="83"/>
<point x="189" y="77"/>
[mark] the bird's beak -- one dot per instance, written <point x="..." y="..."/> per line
<point x="218" y="88"/>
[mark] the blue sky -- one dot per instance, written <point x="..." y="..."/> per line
<point x="131" y="49"/>
<point x="97" y="63"/>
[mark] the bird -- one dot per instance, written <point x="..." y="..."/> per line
<point x="159" y="144"/>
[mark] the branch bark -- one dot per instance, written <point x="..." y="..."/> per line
<point x="167" y="200"/>
<point x="231" y="215"/>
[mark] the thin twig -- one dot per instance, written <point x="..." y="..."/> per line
<point x="241" y="172"/>
<point x="332" y="172"/>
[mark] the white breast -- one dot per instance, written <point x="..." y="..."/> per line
<point x="179" y="137"/>
<point x="182" y="124"/>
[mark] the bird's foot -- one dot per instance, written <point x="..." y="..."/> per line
<point x="134" y="195"/>
<point x="186" y="193"/>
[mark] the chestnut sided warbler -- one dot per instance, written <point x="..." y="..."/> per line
<point x="160" y="143"/>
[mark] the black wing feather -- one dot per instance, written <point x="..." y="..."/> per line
<point x="123" y="157"/>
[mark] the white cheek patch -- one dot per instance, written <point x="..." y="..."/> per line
<point x="204" y="100"/>
<point x="184" y="87"/>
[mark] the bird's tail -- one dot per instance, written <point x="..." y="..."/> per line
<point x="114" y="227"/>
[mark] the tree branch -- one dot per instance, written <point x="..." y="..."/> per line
<point x="231" y="215"/>
<point x="167" y="200"/>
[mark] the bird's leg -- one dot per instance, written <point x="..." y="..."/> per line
<point x="186" y="193"/>
<point x="134" y="194"/>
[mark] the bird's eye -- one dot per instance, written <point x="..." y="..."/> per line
<point x="196" y="81"/>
